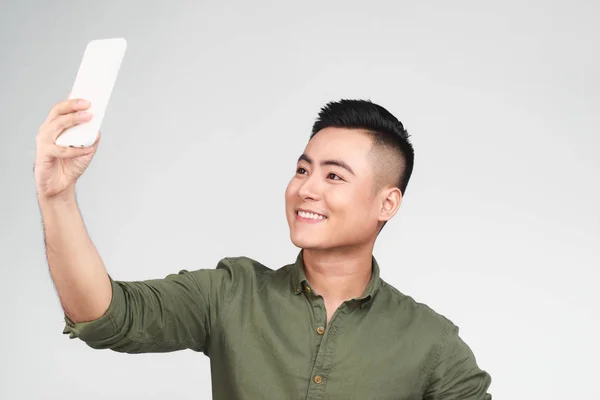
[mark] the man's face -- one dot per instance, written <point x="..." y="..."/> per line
<point x="327" y="205"/>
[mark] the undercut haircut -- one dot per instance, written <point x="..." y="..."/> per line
<point x="392" y="153"/>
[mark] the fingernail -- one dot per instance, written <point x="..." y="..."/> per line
<point x="82" y="102"/>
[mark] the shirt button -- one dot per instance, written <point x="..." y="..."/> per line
<point x="320" y="330"/>
<point x="318" y="379"/>
<point x="308" y="289"/>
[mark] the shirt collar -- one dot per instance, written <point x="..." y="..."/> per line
<point x="299" y="281"/>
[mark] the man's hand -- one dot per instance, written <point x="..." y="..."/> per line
<point x="57" y="168"/>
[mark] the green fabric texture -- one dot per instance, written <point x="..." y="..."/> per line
<point x="266" y="335"/>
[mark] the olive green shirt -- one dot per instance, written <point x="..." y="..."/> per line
<point x="266" y="335"/>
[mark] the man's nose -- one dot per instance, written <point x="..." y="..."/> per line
<point x="310" y="189"/>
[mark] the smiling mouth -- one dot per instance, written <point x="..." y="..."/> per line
<point x="308" y="216"/>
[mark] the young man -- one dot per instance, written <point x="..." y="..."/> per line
<point x="324" y="327"/>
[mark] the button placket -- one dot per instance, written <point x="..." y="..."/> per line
<point x="318" y="373"/>
<point x="325" y="355"/>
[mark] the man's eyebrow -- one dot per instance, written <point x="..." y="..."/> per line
<point x="338" y="163"/>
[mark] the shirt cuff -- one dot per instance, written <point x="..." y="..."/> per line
<point x="103" y="328"/>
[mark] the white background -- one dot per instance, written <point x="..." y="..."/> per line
<point x="499" y="230"/>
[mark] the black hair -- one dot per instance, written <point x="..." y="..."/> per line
<point x="386" y="130"/>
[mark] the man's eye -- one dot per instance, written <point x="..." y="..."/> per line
<point x="333" y="176"/>
<point x="300" y="170"/>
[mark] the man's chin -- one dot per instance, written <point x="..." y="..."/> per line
<point x="308" y="243"/>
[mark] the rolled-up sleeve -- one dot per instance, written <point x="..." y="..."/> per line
<point x="456" y="375"/>
<point x="160" y="315"/>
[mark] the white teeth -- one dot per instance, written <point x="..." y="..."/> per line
<point x="304" y="214"/>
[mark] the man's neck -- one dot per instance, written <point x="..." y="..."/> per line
<point x="339" y="275"/>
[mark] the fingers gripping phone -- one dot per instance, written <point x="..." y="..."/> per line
<point x="94" y="82"/>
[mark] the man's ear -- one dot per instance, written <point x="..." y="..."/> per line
<point x="391" y="198"/>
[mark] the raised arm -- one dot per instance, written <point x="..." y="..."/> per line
<point x="160" y="315"/>
<point x="78" y="273"/>
<point x="150" y="316"/>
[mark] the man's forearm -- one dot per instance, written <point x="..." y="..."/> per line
<point x="77" y="270"/>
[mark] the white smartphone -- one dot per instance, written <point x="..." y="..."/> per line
<point x="94" y="82"/>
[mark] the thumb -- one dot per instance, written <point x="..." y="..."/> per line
<point x="69" y="152"/>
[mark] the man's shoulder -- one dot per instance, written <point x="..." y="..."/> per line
<point x="246" y="263"/>
<point x="414" y="315"/>
<point x="247" y="274"/>
<point x="249" y="267"/>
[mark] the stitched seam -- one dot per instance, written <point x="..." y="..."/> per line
<point x="206" y="322"/>
<point x="232" y="289"/>
<point x="336" y="332"/>
<point x="435" y="359"/>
